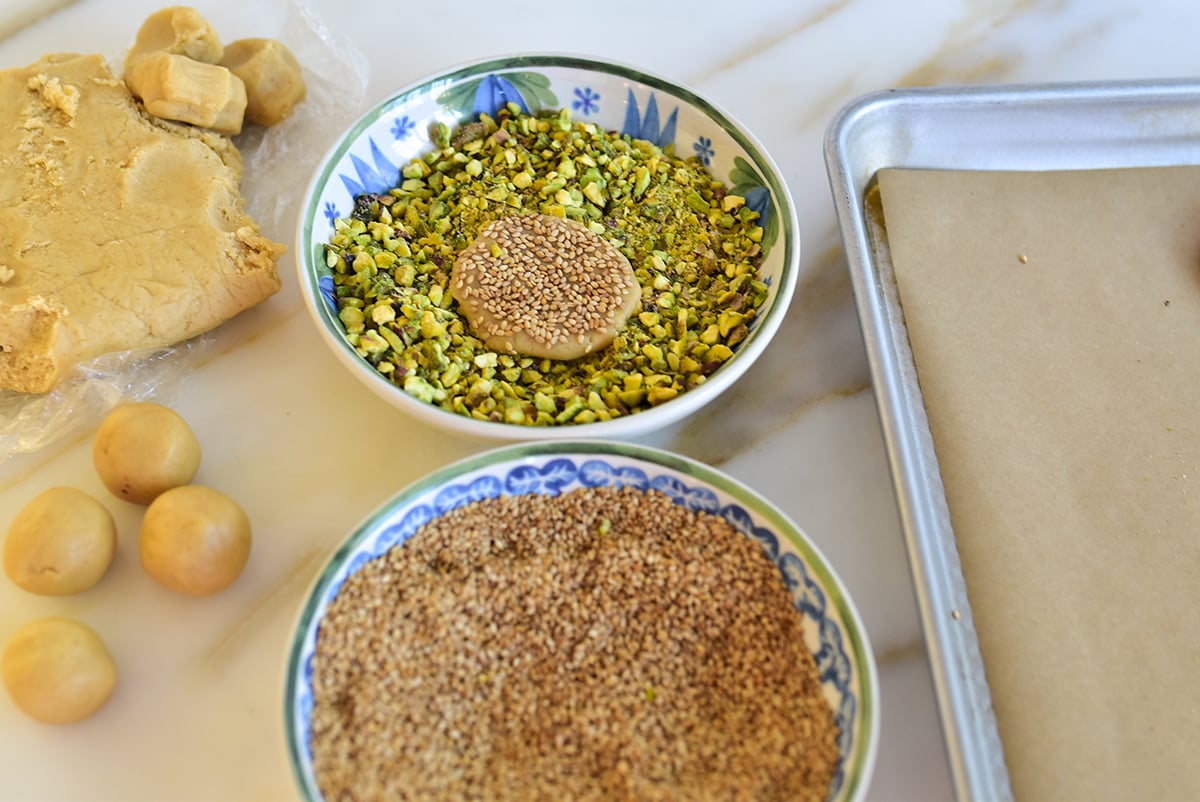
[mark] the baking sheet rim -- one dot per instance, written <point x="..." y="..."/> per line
<point x="1132" y="109"/>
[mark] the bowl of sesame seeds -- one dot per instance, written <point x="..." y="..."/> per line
<point x="547" y="247"/>
<point x="583" y="619"/>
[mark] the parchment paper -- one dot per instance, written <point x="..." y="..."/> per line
<point x="1055" y="325"/>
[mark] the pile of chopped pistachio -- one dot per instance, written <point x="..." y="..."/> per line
<point x="693" y="246"/>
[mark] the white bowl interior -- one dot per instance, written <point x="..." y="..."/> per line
<point x="833" y="630"/>
<point x="369" y="156"/>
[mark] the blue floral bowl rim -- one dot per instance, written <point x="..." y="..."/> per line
<point x="859" y="648"/>
<point x="310" y="253"/>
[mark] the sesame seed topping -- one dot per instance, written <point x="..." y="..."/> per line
<point x="548" y="285"/>
<point x="602" y="644"/>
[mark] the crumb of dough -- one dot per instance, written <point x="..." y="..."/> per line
<point x="63" y="98"/>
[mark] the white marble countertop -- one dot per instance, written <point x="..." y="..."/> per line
<point x="197" y="712"/>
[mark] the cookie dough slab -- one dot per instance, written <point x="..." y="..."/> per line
<point x="117" y="231"/>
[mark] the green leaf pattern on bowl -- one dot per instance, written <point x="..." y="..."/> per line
<point x="492" y="92"/>
<point x="372" y="172"/>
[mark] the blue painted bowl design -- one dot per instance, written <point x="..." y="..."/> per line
<point x="372" y="164"/>
<point x="369" y="156"/>
<point x="833" y="630"/>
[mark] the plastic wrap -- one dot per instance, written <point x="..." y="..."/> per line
<point x="277" y="163"/>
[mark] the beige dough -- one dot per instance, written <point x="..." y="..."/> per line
<point x="272" y="76"/>
<point x="177" y="29"/>
<point x="61" y="543"/>
<point x="195" y="540"/>
<point x="141" y="450"/>
<point x="178" y="88"/>
<point x="57" y="670"/>
<point x="117" y="231"/>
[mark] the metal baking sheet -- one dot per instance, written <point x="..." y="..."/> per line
<point x="1081" y="126"/>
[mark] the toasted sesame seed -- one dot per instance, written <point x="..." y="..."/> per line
<point x="601" y="644"/>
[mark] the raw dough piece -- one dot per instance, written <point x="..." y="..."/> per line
<point x="57" y="670"/>
<point x="195" y="540"/>
<point x="272" y="75"/>
<point x="60" y="543"/>
<point x="179" y="88"/>
<point x="143" y="449"/>
<point x="117" y="231"/>
<point x="177" y="29"/>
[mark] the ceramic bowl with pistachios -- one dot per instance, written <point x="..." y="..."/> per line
<point x="585" y="619"/>
<point x="547" y="247"/>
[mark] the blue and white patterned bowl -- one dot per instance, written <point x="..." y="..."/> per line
<point x="833" y="630"/>
<point x="368" y="157"/>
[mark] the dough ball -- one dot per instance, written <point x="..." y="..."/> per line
<point x="60" y="543"/>
<point x="142" y="449"/>
<point x="57" y="670"/>
<point x="195" y="540"/>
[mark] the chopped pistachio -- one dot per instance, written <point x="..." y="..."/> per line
<point x="728" y="320"/>
<point x="719" y="352"/>
<point x="695" y="248"/>
<point x="659" y="395"/>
